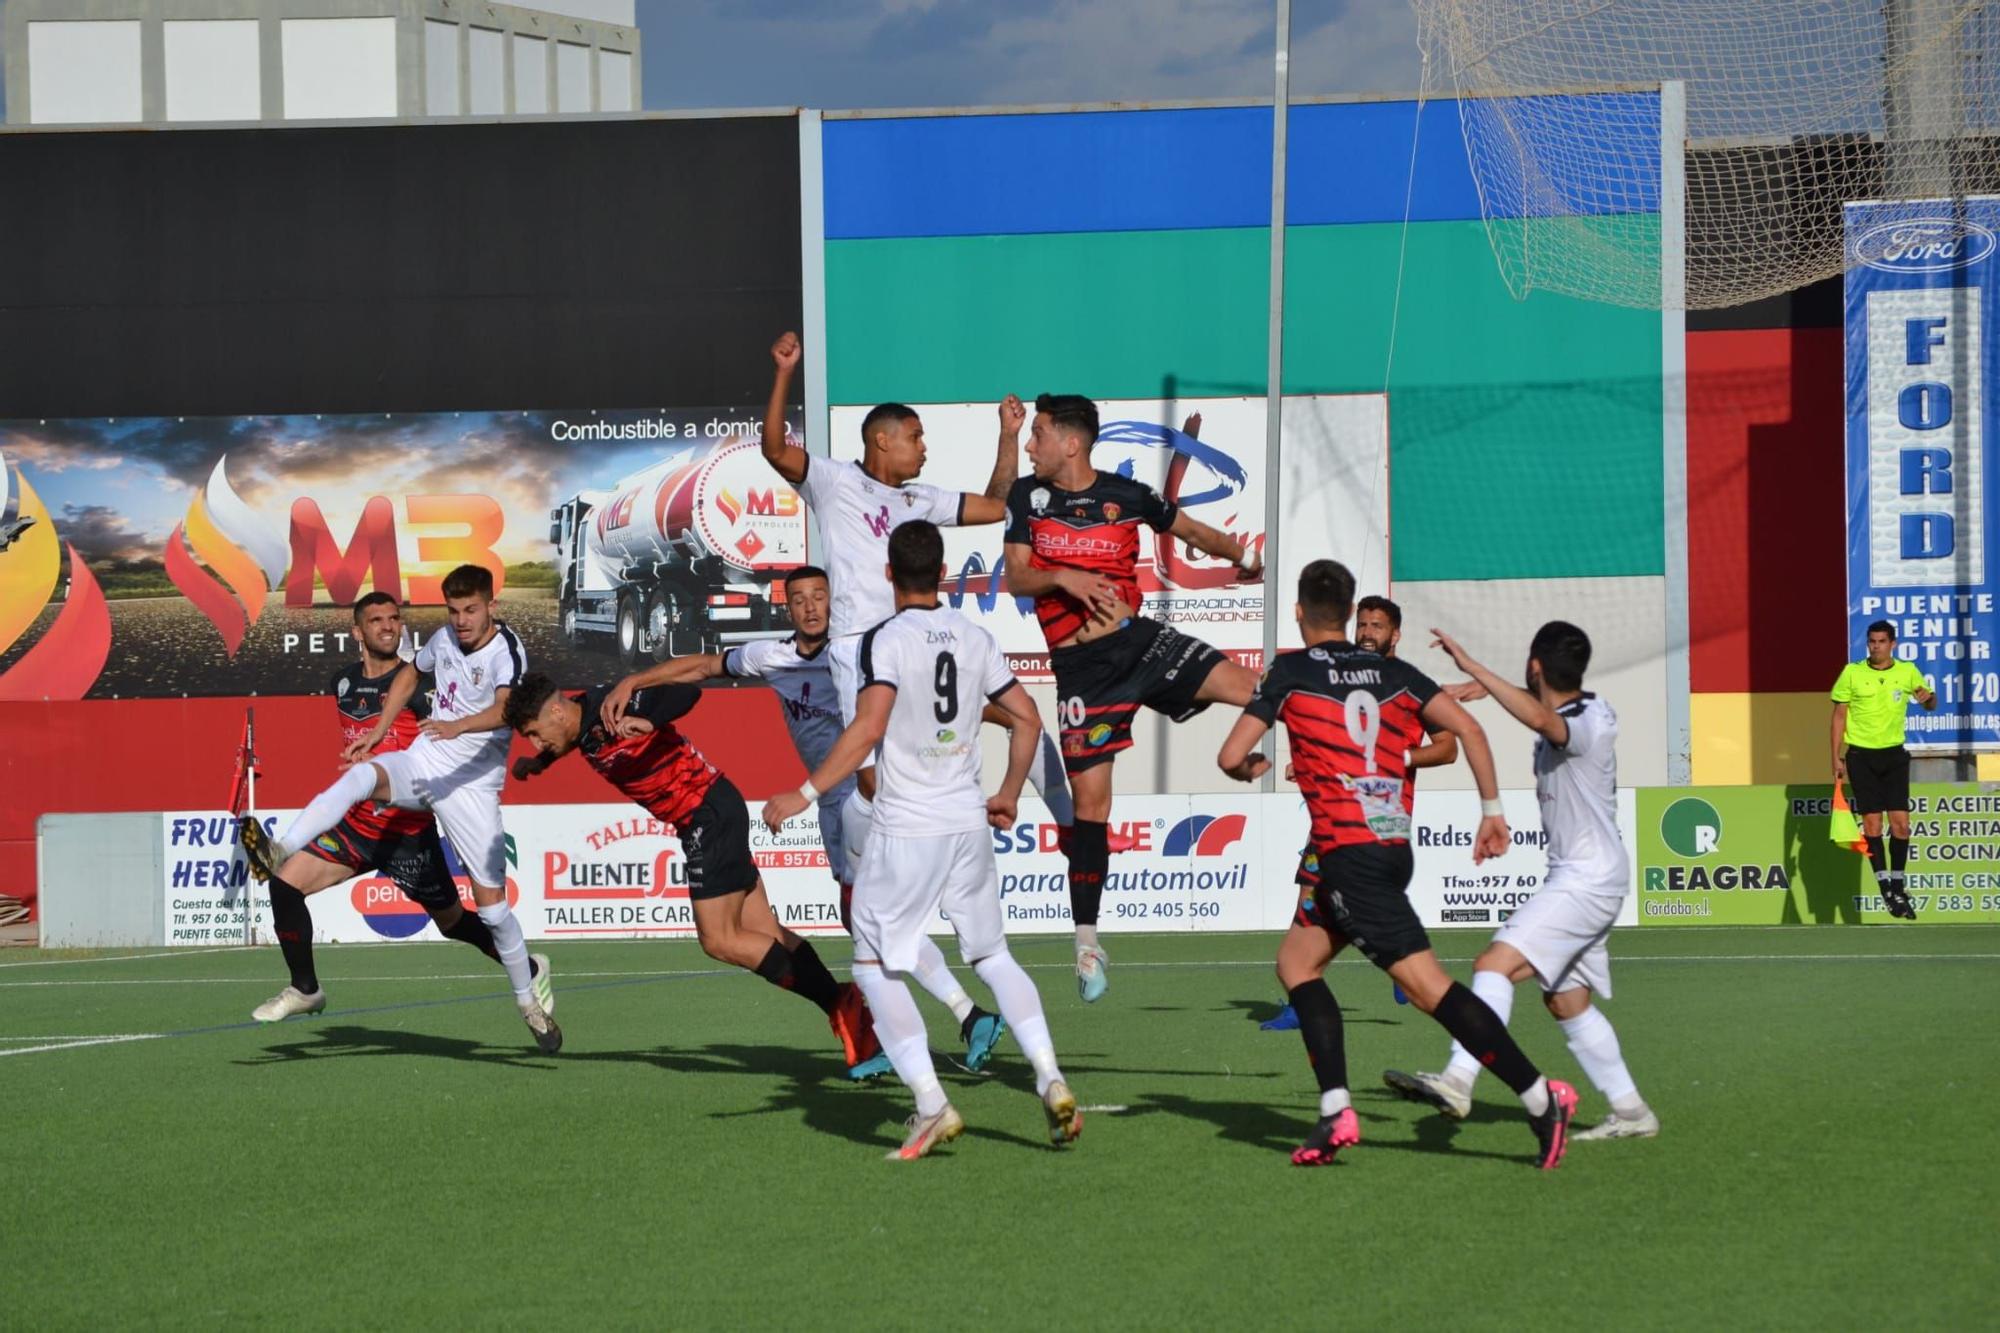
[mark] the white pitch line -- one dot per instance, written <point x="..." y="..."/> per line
<point x="1627" y="961"/>
<point x="80" y="1043"/>
<point x="111" y="958"/>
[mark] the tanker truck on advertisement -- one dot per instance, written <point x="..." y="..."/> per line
<point x="678" y="557"/>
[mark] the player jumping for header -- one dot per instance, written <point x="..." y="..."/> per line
<point x="402" y="844"/>
<point x="1073" y="546"/>
<point x="1351" y="717"/>
<point x="798" y="670"/>
<point x="646" y="757"/>
<point x="1558" y="937"/>
<point x="926" y="674"/>
<point x="455" y="769"/>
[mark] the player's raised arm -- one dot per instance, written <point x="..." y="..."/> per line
<point x="1214" y="542"/>
<point x="991" y="505"/>
<point x="400" y="692"/>
<point x="849" y="753"/>
<point x="674" y="671"/>
<point x="787" y="458"/>
<point x="1444" y="713"/>
<point x="1528" y="710"/>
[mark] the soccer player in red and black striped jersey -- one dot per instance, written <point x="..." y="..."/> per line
<point x="1072" y="544"/>
<point x="402" y="844"/>
<point x="647" y="758"/>
<point x="1352" y="717"/>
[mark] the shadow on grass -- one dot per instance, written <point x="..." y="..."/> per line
<point x="1262" y="1011"/>
<point x="342" y="1040"/>
<point x="1258" y="1125"/>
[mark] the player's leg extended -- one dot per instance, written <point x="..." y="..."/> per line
<point x="1229" y="682"/>
<point x="901" y="1030"/>
<point x="469" y="816"/>
<point x="421" y="872"/>
<point x="1303" y="957"/>
<point x="1089" y="864"/>
<point x="1550" y="1103"/>
<point x="1594" y="1043"/>
<point x="360" y="783"/>
<point x="1494" y="974"/>
<point x="971" y="900"/>
<point x="302" y="875"/>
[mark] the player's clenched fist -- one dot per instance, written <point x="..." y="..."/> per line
<point x="786" y="351"/>
<point x="1013" y="414"/>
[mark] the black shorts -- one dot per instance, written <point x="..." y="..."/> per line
<point x="716" y="841"/>
<point x="1364" y="897"/>
<point x="413" y="862"/>
<point x="1101" y="684"/>
<point x="1880" y="779"/>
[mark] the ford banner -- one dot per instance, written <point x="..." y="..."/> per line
<point x="1921" y="276"/>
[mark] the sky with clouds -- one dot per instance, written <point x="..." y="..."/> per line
<point x="890" y="53"/>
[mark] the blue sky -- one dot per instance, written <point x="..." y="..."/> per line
<point x="886" y="53"/>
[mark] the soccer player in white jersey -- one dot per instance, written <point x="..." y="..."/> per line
<point x="858" y="505"/>
<point x="1558" y="937"/>
<point x="926" y="675"/>
<point x="797" y="669"/>
<point x="455" y="769"/>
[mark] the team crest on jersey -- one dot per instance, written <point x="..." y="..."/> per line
<point x="477" y="672"/>
<point x="909" y="500"/>
<point x="1111" y="513"/>
<point x="1038" y="499"/>
<point x="341" y="687"/>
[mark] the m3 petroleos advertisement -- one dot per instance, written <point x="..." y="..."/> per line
<point x="175" y="556"/>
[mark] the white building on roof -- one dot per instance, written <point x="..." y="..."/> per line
<point x="158" y="62"/>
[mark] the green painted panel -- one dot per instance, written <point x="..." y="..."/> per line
<point x="1113" y="314"/>
<point x="1524" y="435"/>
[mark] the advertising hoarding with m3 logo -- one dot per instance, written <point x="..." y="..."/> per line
<point x="1921" y="377"/>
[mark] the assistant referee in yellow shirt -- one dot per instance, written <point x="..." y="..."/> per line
<point x="1870" y="700"/>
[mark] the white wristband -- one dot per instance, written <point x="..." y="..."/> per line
<point x="1492" y="809"/>
<point x="809" y="792"/>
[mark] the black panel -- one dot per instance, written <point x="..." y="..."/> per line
<point x="396" y="268"/>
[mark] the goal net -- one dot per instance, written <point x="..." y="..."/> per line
<point x="1792" y="107"/>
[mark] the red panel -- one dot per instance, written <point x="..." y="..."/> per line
<point x="156" y="754"/>
<point x="1767" y="525"/>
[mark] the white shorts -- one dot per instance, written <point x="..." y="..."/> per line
<point x="465" y="797"/>
<point x="905" y="882"/>
<point x="843" y="659"/>
<point x="1561" y="931"/>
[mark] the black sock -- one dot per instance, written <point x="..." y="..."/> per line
<point x="811" y="979"/>
<point x="847" y="908"/>
<point x="1474" y="1025"/>
<point x="1899" y="857"/>
<point x="1320" y="1026"/>
<point x="777" y="969"/>
<point x="472" y="929"/>
<point x="1876" y="858"/>
<point x="293" y="925"/>
<point x="1089" y="859"/>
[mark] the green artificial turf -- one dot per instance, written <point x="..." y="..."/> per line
<point x="695" y="1158"/>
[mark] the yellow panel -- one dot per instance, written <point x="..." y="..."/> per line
<point x="1989" y="768"/>
<point x="28" y="569"/>
<point x="1761" y="738"/>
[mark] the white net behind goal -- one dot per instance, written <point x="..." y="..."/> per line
<point x="1792" y="108"/>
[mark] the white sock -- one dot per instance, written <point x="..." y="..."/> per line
<point x="1594" y="1043"/>
<point x="934" y="975"/>
<point x="900" y="1029"/>
<point x="1536" y="1099"/>
<point x="1021" y="1005"/>
<point x="328" y="808"/>
<point x="857" y="816"/>
<point x="1086" y="938"/>
<point x="1051" y="783"/>
<point x="1498" y="992"/>
<point x="513" y="947"/>
<point x="1333" y="1101"/>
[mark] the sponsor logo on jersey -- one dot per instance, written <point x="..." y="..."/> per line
<point x="1203" y="835"/>
<point x="327" y="842"/>
<point x="879" y="523"/>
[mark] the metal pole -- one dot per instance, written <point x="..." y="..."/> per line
<point x="1673" y="423"/>
<point x="250" y="804"/>
<point x="1274" y="371"/>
